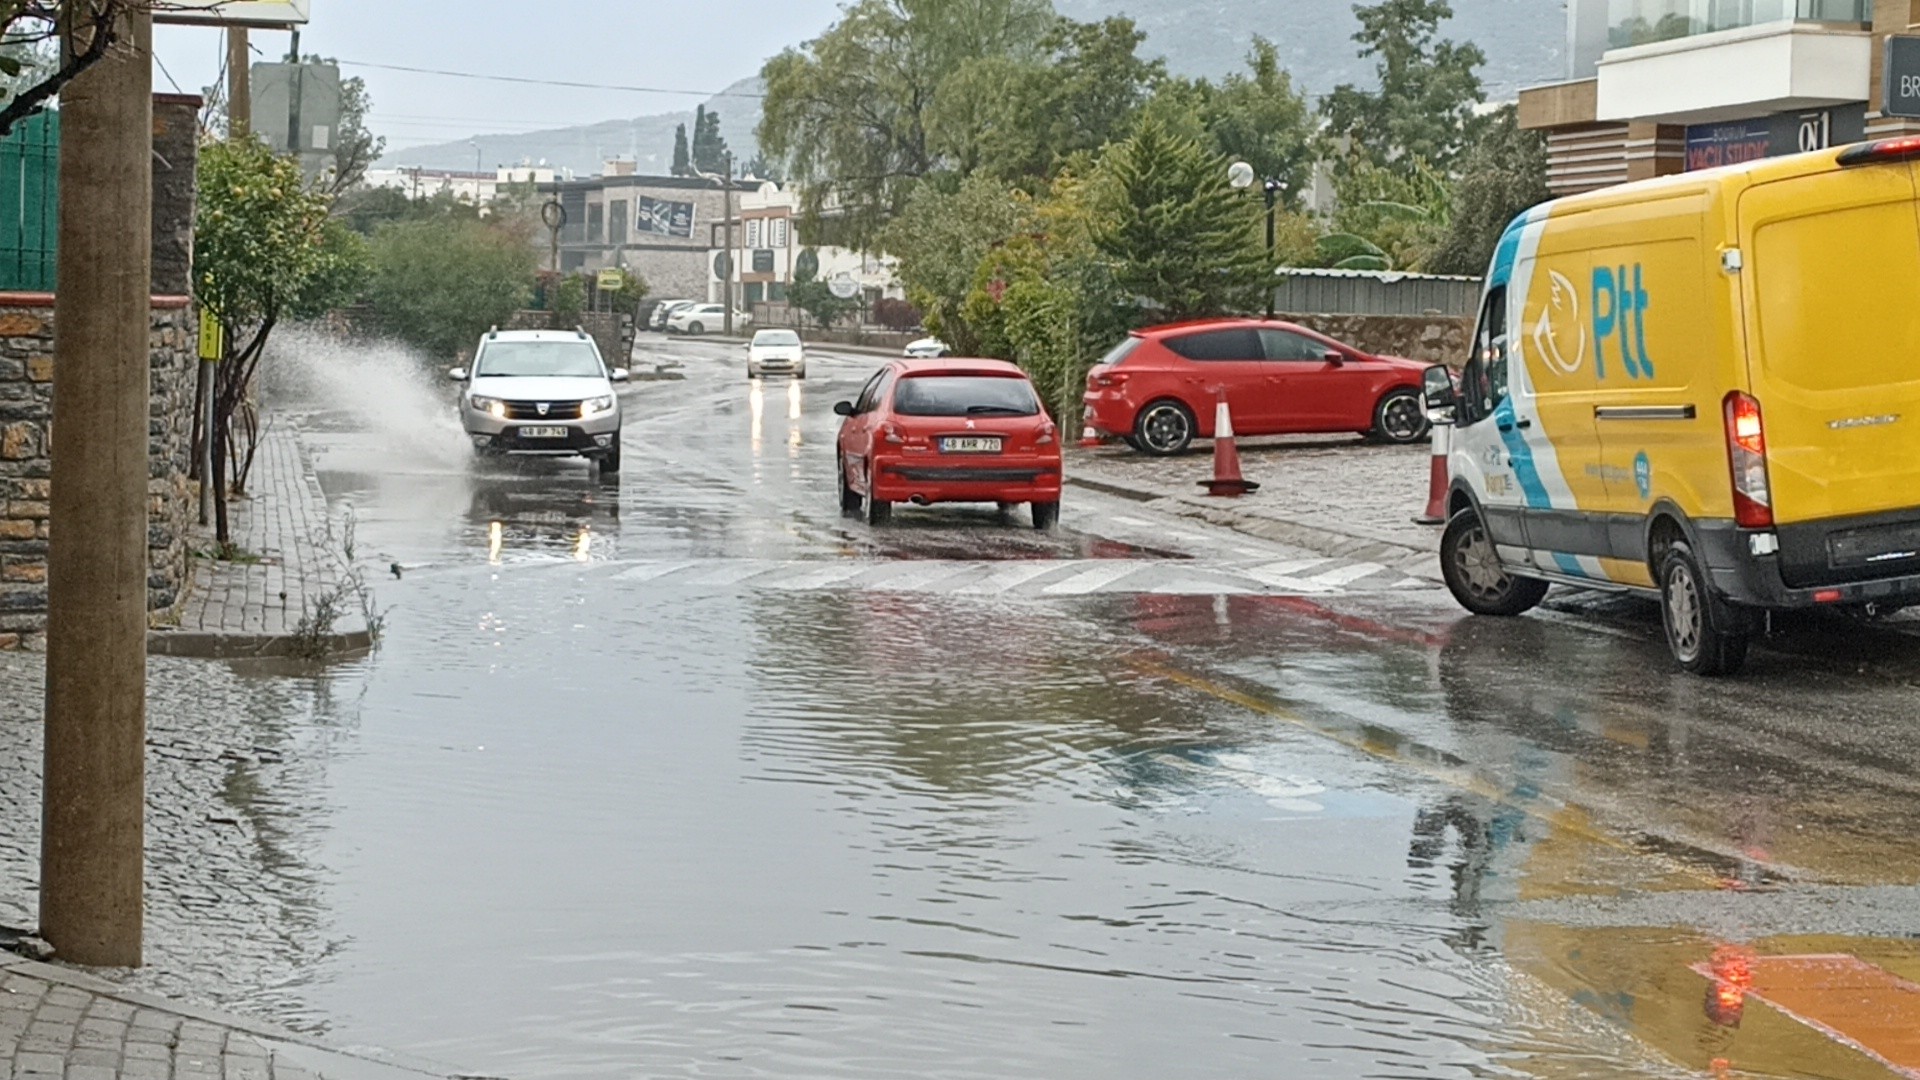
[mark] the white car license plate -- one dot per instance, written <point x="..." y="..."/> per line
<point x="969" y="445"/>
<point x="543" y="433"/>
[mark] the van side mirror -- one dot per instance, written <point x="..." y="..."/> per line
<point x="843" y="408"/>
<point x="458" y="374"/>
<point x="1437" y="387"/>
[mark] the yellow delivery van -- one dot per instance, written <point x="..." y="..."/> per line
<point x="1703" y="387"/>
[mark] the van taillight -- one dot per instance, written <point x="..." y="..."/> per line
<point x="1884" y="150"/>
<point x="1747" y="454"/>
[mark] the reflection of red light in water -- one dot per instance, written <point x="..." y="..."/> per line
<point x="1721" y="1067"/>
<point x="1732" y="974"/>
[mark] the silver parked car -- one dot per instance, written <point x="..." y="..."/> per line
<point x="544" y="393"/>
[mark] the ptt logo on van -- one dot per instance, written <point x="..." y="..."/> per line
<point x="1620" y="303"/>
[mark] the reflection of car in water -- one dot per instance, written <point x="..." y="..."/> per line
<point x="524" y="516"/>
<point x="542" y="393"/>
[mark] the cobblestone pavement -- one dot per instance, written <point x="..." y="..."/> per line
<point x="1338" y="497"/>
<point x="237" y="774"/>
<point x="290" y="582"/>
<point x="57" y="1024"/>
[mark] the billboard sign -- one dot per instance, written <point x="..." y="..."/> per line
<point x="1902" y="81"/>
<point x="1713" y="145"/>
<point x="261" y="14"/>
<point x="661" y="217"/>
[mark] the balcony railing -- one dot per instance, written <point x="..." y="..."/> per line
<point x="1641" y="22"/>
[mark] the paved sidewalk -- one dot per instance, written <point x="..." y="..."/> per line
<point x="1338" y="497"/>
<point x="290" y="591"/>
<point x="59" y="1024"/>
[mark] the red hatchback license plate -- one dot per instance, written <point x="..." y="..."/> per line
<point x="970" y="445"/>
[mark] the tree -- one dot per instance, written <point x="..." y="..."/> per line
<point x="34" y="73"/>
<point x="439" y="283"/>
<point x="1259" y="118"/>
<point x="1178" y="237"/>
<point x="1424" y="109"/>
<point x="816" y="299"/>
<point x="849" y="113"/>
<point x="940" y="240"/>
<point x="709" y="148"/>
<point x="266" y="249"/>
<point x="682" y="159"/>
<point x="355" y="149"/>
<point x="1387" y="220"/>
<point x="1018" y="119"/>
<point x="1503" y="175"/>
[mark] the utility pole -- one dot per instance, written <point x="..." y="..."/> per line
<point x="239" y="84"/>
<point x="726" y="281"/>
<point x="294" y="142"/>
<point x="92" y="848"/>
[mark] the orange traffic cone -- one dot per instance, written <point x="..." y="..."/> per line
<point x="1090" y="438"/>
<point x="1226" y="480"/>
<point x="1437" y="477"/>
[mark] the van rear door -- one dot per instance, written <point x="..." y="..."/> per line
<point x="1832" y="296"/>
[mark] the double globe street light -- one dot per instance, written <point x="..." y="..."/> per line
<point x="1241" y="176"/>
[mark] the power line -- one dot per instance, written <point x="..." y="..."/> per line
<point x="548" y="82"/>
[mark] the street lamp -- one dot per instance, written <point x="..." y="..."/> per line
<point x="1241" y="176"/>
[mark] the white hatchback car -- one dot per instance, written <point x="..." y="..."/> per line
<point x="926" y="348"/>
<point x="542" y="393"/>
<point x="776" y="352"/>
<point x="701" y="318"/>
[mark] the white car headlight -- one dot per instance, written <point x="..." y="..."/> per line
<point x="596" y="406"/>
<point x="493" y="407"/>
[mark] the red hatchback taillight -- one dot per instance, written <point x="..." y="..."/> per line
<point x="1106" y="380"/>
<point x="1747" y="455"/>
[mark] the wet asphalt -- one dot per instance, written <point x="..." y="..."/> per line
<point x="687" y="775"/>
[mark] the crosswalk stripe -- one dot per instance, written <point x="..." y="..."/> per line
<point x="1009" y="576"/>
<point x="653" y="571"/>
<point x="1346" y="575"/>
<point x="820" y="579"/>
<point x="1093" y="580"/>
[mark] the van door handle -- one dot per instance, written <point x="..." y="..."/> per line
<point x="1509" y="426"/>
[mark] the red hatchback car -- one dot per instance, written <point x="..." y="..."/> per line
<point x="1157" y="389"/>
<point x="934" y="431"/>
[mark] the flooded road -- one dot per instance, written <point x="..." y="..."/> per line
<point x="686" y="775"/>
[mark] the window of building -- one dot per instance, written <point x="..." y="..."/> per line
<point x="617" y="221"/>
<point x="596" y="223"/>
<point x="778" y="227"/>
<point x="777" y="292"/>
<point x="756" y="292"/>
<point x="575" y="205"/>
<point x="753" y="232"/>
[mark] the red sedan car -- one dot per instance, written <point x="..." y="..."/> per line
<point x="935" y="431"/>
<point x="1157" y="389"/>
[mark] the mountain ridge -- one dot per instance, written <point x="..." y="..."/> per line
<point x="1525" y="43"/>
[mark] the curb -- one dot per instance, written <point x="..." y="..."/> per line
<point x="220" y="645"/>
<point x="1317" y="537"/>
<point x="324" y="1061"/>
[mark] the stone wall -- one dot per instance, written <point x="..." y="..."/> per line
<point x="1434" y="339"/>
<point x="176" y="165"/>
<point x="26" y="468"/>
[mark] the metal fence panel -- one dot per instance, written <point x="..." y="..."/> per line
<point x="1322" y="293"/>
<point x="30" y="204"/>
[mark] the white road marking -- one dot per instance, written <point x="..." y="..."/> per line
<point x="1099" y="576"/>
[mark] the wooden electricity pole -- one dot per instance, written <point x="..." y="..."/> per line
<point x="92" y="848"/>
<point x="239" y="83"/>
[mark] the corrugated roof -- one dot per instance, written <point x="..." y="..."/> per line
<point x="1385" y="277"/>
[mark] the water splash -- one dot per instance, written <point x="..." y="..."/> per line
<point x="374" y="385"/>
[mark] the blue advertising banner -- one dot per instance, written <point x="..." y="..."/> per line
<point x="1712" y="145"/>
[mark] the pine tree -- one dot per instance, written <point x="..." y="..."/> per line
<point x="1177" y="235"/>
<point x="682" y="161"/>
<point x="709" y="149"/>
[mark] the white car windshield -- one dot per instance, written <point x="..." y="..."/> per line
<point x="553" y="359"/>
<point x="776" y="337"/>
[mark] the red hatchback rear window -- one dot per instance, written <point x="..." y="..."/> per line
<point x="965" y="395"/>
<point x="1120" y="352"/>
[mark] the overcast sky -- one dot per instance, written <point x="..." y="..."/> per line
<point x="695" y="45"/>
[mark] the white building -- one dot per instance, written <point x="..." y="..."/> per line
<point x="768" y="254"/>
<point x="479" y="188"/>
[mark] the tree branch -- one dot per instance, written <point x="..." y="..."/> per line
<point x="35" y="98"/>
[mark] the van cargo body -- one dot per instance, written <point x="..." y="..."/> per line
<point x="1705" y="386"/>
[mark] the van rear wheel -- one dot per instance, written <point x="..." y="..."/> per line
<point x="1706" y="636"/>
<point x="1474" y="575"/>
